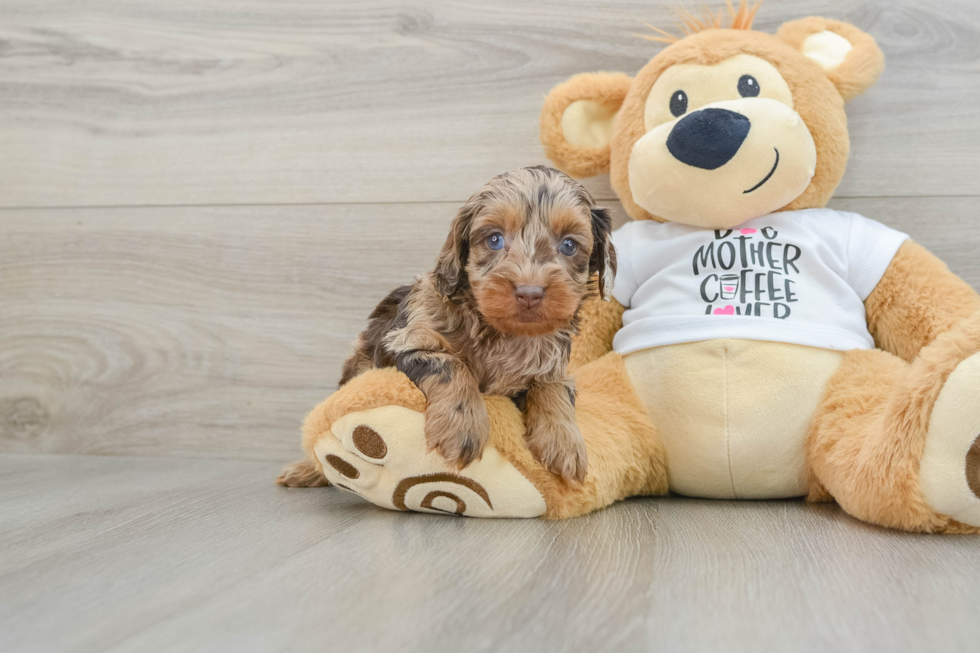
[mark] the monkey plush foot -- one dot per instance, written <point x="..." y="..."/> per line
<point x="950" y="468"/>
<point x="367" y="441"/>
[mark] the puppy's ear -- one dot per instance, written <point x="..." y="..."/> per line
<point x="451" y="264"/>
<point x="577" y="121"/>
<point x="603" y="260"/>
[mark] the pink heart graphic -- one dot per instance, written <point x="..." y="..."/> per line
<point x="747" y="231"/>
<point x="728" y="310"/>
<point x="729" y="288"/>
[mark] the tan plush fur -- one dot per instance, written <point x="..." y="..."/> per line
<point x="868" y="435"/>
<point x="606" y="89"/>
<point x="863" y="65"/>
<point x="625" y="456"/>
<point x="600" y="320"/>
<point x="918" y="299"/>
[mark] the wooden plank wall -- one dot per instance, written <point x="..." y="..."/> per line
<point x="201" y="201"/>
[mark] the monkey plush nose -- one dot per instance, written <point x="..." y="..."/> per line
<point x="529" y="296"/>
<point x="708" y="138"/>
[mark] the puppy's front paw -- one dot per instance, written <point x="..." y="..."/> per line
<point x="559" y="447"/>
<point x="457" y="429"/>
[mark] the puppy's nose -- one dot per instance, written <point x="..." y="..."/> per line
<point x="529" y="296"/>
<point x="708" y="138"/>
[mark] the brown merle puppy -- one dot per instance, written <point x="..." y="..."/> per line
<point x="497" y="315"/>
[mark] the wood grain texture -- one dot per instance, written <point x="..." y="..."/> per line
<point x="211" y="331"/>
<point x="257" y="175"/>
<point x="219" y="328"/>
<point x="129" y="554"/>
<point x="107" y="102"/>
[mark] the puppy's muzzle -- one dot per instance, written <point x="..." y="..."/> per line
<point x="529" y="296"/>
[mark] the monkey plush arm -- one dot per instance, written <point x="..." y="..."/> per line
<point x="598" y="322"/>
<point x="917" y="299"/>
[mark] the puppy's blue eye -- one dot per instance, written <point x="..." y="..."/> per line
<point x="495" y="241"/>
<point x="568" y="247"/>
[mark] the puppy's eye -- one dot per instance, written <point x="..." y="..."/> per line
<point x="568" y="247"/>
<point x="678" y="103"/>
<point x="748" y="86"/>
<point x="495" y="241"/>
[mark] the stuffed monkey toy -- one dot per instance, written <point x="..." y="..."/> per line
<point x="758" y="346"/>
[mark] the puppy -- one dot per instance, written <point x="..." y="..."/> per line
<point x="496" y="316"/>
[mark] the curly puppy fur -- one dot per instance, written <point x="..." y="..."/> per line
<point x="497" y="316"/>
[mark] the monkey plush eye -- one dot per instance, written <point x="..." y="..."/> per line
<point x="495" y="241"/>
<point x="678" y="103"/>
<point x="748" y="86"/>
<point x="568" y="247"/>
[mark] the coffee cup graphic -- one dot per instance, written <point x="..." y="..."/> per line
<point x="729" y="286"/>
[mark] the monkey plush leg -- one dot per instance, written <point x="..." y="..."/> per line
<point x="896" y="444"/>
<point x="368" y="438"/>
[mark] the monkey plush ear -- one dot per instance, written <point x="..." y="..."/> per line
<point x="576" y="121"/>
<point x="849" y="57"/>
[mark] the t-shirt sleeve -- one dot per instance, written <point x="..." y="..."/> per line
<point x="625" y="283"/>
<point x="871" y="246"/>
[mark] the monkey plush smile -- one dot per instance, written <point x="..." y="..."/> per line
<point x="767" y="177"/>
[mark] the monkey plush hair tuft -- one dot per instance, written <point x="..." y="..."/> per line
<point x="740" y="18"/>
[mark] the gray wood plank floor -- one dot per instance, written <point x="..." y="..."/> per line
<point x="201" y="201"/>
<point x="154" y="554"/>
<point x="210" y="331"/>
<point x="109" y="102"/>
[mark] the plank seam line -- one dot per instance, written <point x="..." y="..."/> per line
<point x="82" y="207"/>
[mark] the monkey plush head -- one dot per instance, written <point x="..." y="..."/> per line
<point x="721" y="126"/>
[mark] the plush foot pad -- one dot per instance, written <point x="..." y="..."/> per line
<point x="950" y="469"/>
<point x="380" y="454"/>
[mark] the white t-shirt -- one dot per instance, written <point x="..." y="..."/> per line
<point x="797" y="276"/>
